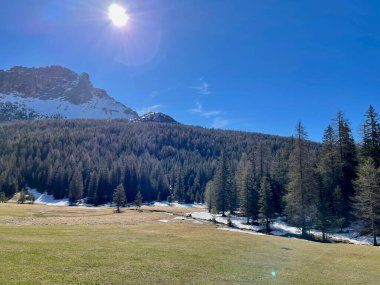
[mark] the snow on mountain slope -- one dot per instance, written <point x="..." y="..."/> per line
<point x="96" y="107"/>
<point x="31" y="93"/>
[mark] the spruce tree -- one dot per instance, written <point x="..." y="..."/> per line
<point x="328" y="179"/>
<point x="371" y="137"/>
<point x="138" y="200"/>
<point x="266" y="210"/>
<point x="367" y="200"/>
<point x="223" y="186"/>
<point x="76" y="187"/>
<point x="248" y="192"/>
<point x="279" y="178"/>
<point x="119" y="198"/>
<point x="348" y="164"/>
<point x="300" y="209"/>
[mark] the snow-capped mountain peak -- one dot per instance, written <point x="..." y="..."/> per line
<point x="55" y="91"/>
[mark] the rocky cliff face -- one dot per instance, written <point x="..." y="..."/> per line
<point x="55" y="91"/>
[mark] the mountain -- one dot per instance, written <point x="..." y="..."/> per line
<point x="156" y="117"/>
<point x="55" y="91"/>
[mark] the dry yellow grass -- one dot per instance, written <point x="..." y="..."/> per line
<point x="96" y="246"/>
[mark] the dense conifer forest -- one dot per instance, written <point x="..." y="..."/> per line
<point x="324" y="186"/>
<point x="90" y="158"/>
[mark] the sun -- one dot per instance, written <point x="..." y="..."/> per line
<point x="118" y="15"/>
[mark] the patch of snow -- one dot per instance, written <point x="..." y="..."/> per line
<point x="241" y="231"/>
<point x="180" y="205"/>
<point x="46" y="199"/>
<point x="164" y="221"/>
<point x="97" y="107"/>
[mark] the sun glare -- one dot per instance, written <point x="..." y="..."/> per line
<point x="118" y="15"/>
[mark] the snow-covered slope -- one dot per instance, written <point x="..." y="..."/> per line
<point x="29" y="93"/>
<point x="156" y="117"/>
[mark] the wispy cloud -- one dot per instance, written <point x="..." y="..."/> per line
<point x="219" y="123"/>
<point x="201" y="112"/>
<point x="153" y="108"/>
<point x="203" y="88"/>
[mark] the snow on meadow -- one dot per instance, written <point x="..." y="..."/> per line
<point x="279" y="227"/>
<point x="46" y="199"/>
<point x="176" y="204"/>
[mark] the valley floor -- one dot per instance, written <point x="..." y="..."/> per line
<point x="82" y="245"/>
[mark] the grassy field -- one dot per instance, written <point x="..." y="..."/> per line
<point x="74" y="245"/>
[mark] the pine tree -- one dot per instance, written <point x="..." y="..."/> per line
<point x="248" y="192"/>
<point x="300" y="208"/>
<point x="76" y="187"/>
<point x="323" y="205"/>
<point x="348" y="166"/>
<point x="138" y="200"/>
<point x="328" y="179"/>
<point x="119" y="198"/>
<point x="266" y="210"/>
<point x="223" y="186"/>
<point x="371" y="137"/>
<point x="367" y="200"/>
<point x="279" y="178"/>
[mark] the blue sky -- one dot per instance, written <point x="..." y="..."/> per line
<point x="238" y="64"/>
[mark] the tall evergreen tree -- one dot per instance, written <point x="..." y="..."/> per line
<point x="119" y="198"/>
<point x="248" y="192"/>
<point x="300" y="208"/>
<point x="223" y="186"/>
<point x="76" y="187"/>
<point x="348" y="164"/>
<point x="367" y="200"/>
<point x="138" y="200"/>
<point x="266" y="210"/>
<point x="329" y="171"/>
<point x="371" y="137"/>
<point x="279" y="178"/>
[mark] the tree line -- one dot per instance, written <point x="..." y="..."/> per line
<point x="88" y="159"/>
<point x="324" y="188"/>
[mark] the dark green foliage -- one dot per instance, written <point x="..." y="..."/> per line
<point x="22" y="197"/>
<point x="367" y="200"/>
<point x="223" y="187"/>
<point x="279" y="178"/>
<point x="348" y="164"/>
<point x="155" y="158"/>
<point x="266" y="209"/>
<point x="249" y="189"/>
<point x="371" y="137"/>
<point x="76" y="188"/>
<point x="138" y="200"/>
<point x="119" y="198"/>
<point x="328" y="176"/>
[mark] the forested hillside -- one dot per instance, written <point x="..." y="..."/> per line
<point x="89" y="158"/>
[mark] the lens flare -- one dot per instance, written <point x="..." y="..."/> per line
<point x="118" y="15"/>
